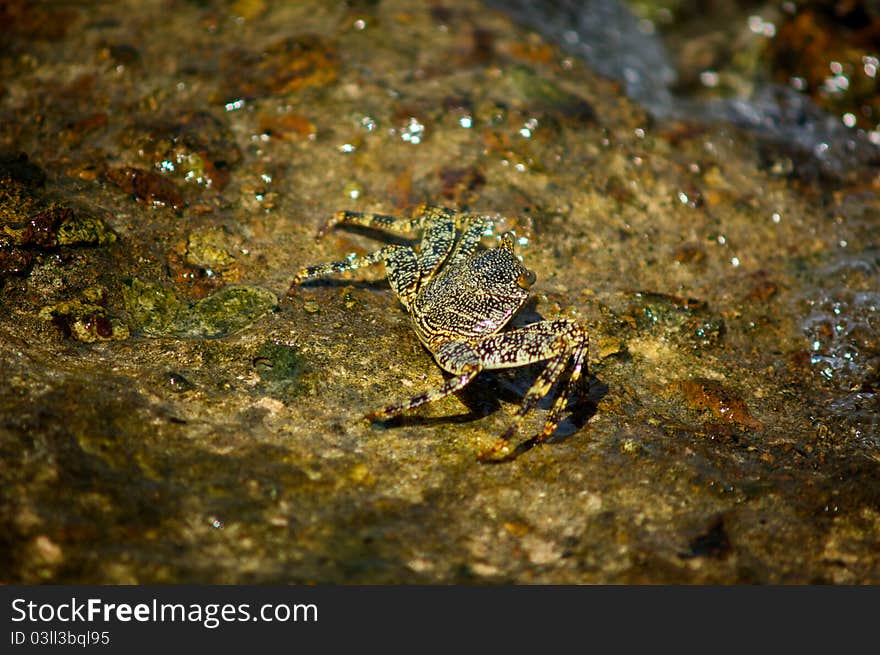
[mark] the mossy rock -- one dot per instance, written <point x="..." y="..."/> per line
<point x="156" y="311"/>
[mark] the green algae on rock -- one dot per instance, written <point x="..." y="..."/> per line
<point x="280" y="367"/>
<point x="84" y="229"/>
<point x="157" y="311"/>
<point x="207" y="249"/>
<point x="279" y="362"/>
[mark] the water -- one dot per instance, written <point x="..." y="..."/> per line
<point x="618" y="45"/>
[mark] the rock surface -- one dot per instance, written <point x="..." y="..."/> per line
<point x="165" y="418"/>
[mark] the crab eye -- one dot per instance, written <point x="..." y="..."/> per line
<point x="526" y="280"/>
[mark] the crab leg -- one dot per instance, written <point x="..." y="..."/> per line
<point x="437" y="240"/>
<point x="578" y="355"/>
<point x="473" y="229"/>
<point x="439" y="225"/>
<point x="424" y="215"/>
<point x="453" y="384"/>
<point x="400" y="262"/>
<point x="559" y="342"/>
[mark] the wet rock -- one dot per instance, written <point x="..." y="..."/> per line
<point x="703" y="332"/>
<point x="243" y="458"/>
<point x="86" y="318"/>
<point x="280" y="367"/>
<point x="178" y="383"/>
<point x="714" y="399"/>
<point x="209" y="250"/>
<point x="196" y="148"/>
<point x="85" y="322"/>
<point x="14" y="260"/>
<point x="231" y="309"/>
<point x="610" y="346"/>
<point x="31" y="225"/>
<point x="461" y="185"/>
<point x="17" y="204"/>
<point x="762" y="290"/>
<point x="121" y="54"/>
<point x="839" y="324"/>
<point x="686" y="319"/>
<point x="545" y="99"/>
<point x="84" y="229"/>
<point x="40" y="229"/>
<point x="204" y="263"/>
<point x="714" y="542"/>
<point x="286" y="66"/>
<point x="20" y="19"/>
<point x="248" y="9"/>
<point x="689" y="254"/>
<point x="288" y="126"/>
<point x="157" y="311"/>
<point x="147" y="187"/>
<point x="828" y="50"/>
<point x="15" y="166"/>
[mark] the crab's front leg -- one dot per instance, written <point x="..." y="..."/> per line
<point x="437" y="224"/>
<point x="401" y="266"/>
<point x="405" y="268"/>
<point x="423" y="216"/>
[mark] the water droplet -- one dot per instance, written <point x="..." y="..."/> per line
<point x="798" y="83"/>
<point x="760" y="26"/>
<point x="413" y="132"/>
<point x="235" y="105"/>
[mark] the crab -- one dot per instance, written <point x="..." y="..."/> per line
<point x="460" y="297"/>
